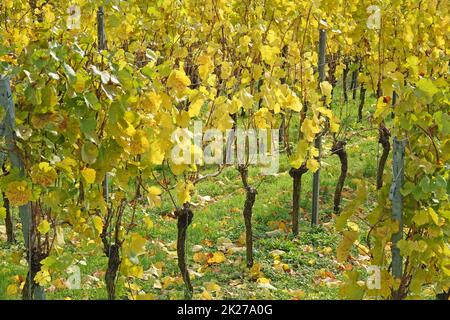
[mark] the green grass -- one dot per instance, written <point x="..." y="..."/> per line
<point x="222" y="218"/>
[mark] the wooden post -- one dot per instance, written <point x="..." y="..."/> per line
<point x="397" y="204"/>
<point x="101" y="35"/>
<point x="101" y="42"/>
<point x="7" y="130"/>
<point x="9" y="219"/>
<point x="394" y="102"/>
<point x="318" y="139"/>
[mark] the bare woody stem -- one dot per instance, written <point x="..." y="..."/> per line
<point x="339" y="150"/>
<point x="248" y="212"/>
<point x="184" y="219"/>
<point x="296" y="175"/>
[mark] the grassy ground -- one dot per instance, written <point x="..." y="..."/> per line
<point x="298" y="268"/>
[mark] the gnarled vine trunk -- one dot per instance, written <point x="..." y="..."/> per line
<point x="8" y="220"/>
<point x="296" y="175"/>
<point x="111" y="248"/>
<point x="35" y="254"/>
<point x="445" y="295"/>
<point x="184" y="219"/>
<point x="383" y="138"/>
<point x="332" y="60"/>
<point x="113" y="254"/>
<point x="339" y="150"/>
<point x="30" y="287"/>
<point x="248" y="212"/>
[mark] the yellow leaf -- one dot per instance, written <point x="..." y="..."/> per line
<point x="224" y="122"/>
<point x="154" y="191"/>
<point x="129" y="269"/>
<point x="89" y="175"/>
<point x="309" y="129"/>
<point x="334" y="124"/>
<point x="297" y="294"/>
<point x="182" y="119"/>
<point x="312" y="165"/>
<point x="152" y="102"/>
<point x="292" y="100"/>
<point x="263" y="280"/>
<point x="137" y="244"/>
<point x="11" y="290"/>
<point x="98" y="223"/>
<point x="349" y="237"/>
<point x="326" y="88"/>
<point x="154" y="196"/>
<point x="382" y="109"/>
<point x="387" y="86"/>
<point x="235" y="105"/>
<point x="147" y="296"/>
<point x="178" y="80"/>
<point x="43" y="278"/>
<point x="2" y="213"/>
<point x="184" y="191"/>
<point x="435" y="217"/>
<point x="60" y="235"/>
<point x="205" y="66"/>
<point x="195" y="107"/>
<point x="420" y="218"/>
<point x="44" y="227"/>
<point x="352" y="226"/>
<point x="139" y="143"/>
<point x="212" y="287"/>
<point x="218" y="257"/>
<point x="9" y="59"/>
<point x="269" y="54"/>
<point x="255" y="271"/>
<point x="148" y="223"/>
<point x="225" y="70"/>
<point x="244" y="42"/>
<point x="43" y="174"/>
<point x="351" y="288"/>
<point x="206" y="295"/>
<point x="263" y="118"/>
<point x="167" y="281"/>
<point x="325" y="111"/>
<point x="264" y="283"/>
<point x="156" y="153"/>
<point x="199" y="257"/>
<point x="298" y="157"/>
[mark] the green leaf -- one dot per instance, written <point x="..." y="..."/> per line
<point x="89" y="152"/>
<point x="2" y="213"/>
<point x="425" y="184"/>
<point x="91" y="101"/>
<point x="88" y="125"/>
<point x="44" y="227"/>
<point x="69" y="71"/>
<point x="407" y="188"/>
<point x="427" y="87"/>
<point x="420" y="218"/>
<point x="147" y="71"/>
<point x="104" y="75"/>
